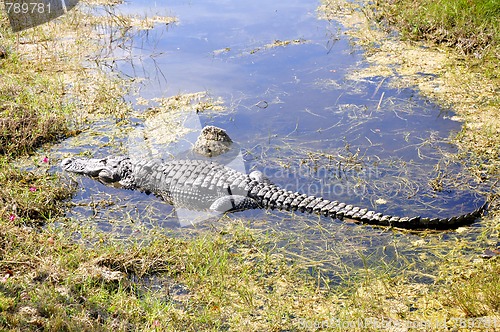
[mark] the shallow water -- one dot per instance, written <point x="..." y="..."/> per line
<point x="294" y="114"/>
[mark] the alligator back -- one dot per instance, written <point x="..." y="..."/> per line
<point x="195" y="184"/>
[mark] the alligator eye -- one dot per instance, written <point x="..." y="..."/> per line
<point x="66" y="162"/>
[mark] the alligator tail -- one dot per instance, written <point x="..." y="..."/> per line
<point x="271" y="196"/>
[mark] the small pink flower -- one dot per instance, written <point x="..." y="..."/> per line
<point x="5" y="277"/>
<point x="45" y="160"/>
<point x="32" y="189"/>
<point x="12" y="217"/>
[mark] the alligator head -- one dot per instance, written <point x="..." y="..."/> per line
<point x="109" y="169"/>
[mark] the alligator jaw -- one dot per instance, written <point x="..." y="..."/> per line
<point x="81" y="166"/>
<point x="106" y="169"/>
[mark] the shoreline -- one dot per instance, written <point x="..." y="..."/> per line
<point x="439" y="73"/>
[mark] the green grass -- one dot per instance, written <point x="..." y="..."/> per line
<point x="470" y="26"/>
<point x="31" y="108"/>
<point x="207" y="283"/>
<point x="35" y="110"/>
<point x="29" y="197"/>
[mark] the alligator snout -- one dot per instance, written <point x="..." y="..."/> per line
<point x="66" y="163"/>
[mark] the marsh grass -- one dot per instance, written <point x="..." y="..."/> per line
<point x="207" y="283"/>
<point x="469" y="26"/>
<point x="28" y="197"/>
<point x="30" y="114"/>
<point x="231" y="279"/>
<point x="475" y="292"/>
<point x="38" y="104"/>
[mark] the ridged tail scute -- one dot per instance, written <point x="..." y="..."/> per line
<point x="271" y="196"/>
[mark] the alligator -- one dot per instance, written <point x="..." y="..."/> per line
<point x="206" y="185"/>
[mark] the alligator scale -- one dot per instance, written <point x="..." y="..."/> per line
<point x="207" y="185"/>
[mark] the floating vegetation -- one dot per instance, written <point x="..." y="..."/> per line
<point x="199" y="101"/>
<point x="279" y="43"/>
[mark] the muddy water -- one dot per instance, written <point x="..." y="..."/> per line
<point x="295" y="116"/>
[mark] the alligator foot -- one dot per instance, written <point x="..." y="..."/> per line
<point x="234" y="203"/>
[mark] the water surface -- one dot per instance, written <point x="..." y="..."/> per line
<point x="294" y="114"/>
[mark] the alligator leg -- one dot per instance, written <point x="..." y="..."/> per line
<point x="234" y="203"/>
